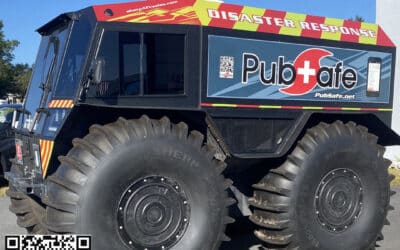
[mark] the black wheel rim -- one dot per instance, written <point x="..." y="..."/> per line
<point x="339" y="200"/>
<point x="153" y="213"/>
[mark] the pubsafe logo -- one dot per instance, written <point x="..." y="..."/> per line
<point x="302" y="76"/>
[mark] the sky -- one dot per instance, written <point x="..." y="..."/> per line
<point x="22" y="17"/>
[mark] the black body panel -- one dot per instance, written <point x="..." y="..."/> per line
<point x="241" y="132"/>
<point x="283" y="126"/>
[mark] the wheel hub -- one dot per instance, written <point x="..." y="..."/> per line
<point x="339" y="200"/>
<point x="153" y="213"/>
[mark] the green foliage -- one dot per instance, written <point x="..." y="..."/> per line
<point x="6" y="46"/>
<point x="13" y="78"/>
<point x="22" y="75"/>
<point x="357" y="18"/>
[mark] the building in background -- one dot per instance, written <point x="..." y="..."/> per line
<point x="388" y="15"/>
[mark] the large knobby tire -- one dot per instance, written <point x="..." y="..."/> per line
<point x="140" y="184"/>
<point x="29" y="213"/>
<point x="332" y="192"/>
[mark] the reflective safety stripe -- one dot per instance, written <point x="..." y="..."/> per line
<point x="46" y="150"/>
<point x="254" y="106"/>
<point x="69" y="104"/>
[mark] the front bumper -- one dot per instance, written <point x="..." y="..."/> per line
<point x="25" y="185"/>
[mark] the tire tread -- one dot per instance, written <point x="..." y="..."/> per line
<point x="62" y="211"/>
<point x="271" y="200"/>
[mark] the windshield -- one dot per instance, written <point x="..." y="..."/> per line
<point x="74" y="59"/>
<point x="58" y="70"/>
<point x="46" y="68"/>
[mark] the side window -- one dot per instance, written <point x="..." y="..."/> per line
<point x="141" y="64"/>
<point x="130" y="51"/>
<point x="109" y="54"/>
<point x="165" y="63"/>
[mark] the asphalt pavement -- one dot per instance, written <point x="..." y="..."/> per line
<point x="8" y="222"/>
<point x="391" y="233"/>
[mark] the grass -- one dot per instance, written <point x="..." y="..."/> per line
<point x="3" y="191"/>
<point x="396" y="173"/>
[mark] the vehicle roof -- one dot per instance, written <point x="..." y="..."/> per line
<point x="230" y="16"/>
<point x="61" y="19"/>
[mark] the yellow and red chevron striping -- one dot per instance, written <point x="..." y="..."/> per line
<point x="272" y="28"/>
<point x="225" y="23"/>
<point x="348" y="37"/>
<point x="230" y="16"/>
<point x="310" y="32"/>
<point x="46" y="150"/>
<point x="68" y="104"/>
<point x="256" y="106"/>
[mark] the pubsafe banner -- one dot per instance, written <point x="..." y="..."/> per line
<point x="255" y="69"/>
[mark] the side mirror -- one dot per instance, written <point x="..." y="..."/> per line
<point x="97" y="71"/>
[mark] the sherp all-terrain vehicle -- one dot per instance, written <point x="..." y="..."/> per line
<point x="139" y="116"/>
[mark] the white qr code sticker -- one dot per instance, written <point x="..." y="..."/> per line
<point x="48" y="242"/>
<point x="226" y="66"/>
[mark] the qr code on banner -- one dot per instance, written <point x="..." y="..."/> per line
<point x="226" y="64"/>
<point x="48" y="242"/>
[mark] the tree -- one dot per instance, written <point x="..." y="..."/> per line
<point x="6" y="56"/>
<point x="22" y="75"/>
<point x="6" y="78"/>
<point x="6" y="46"/>
<point x="357" y="19"/>
<point x="13" y="78"/>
